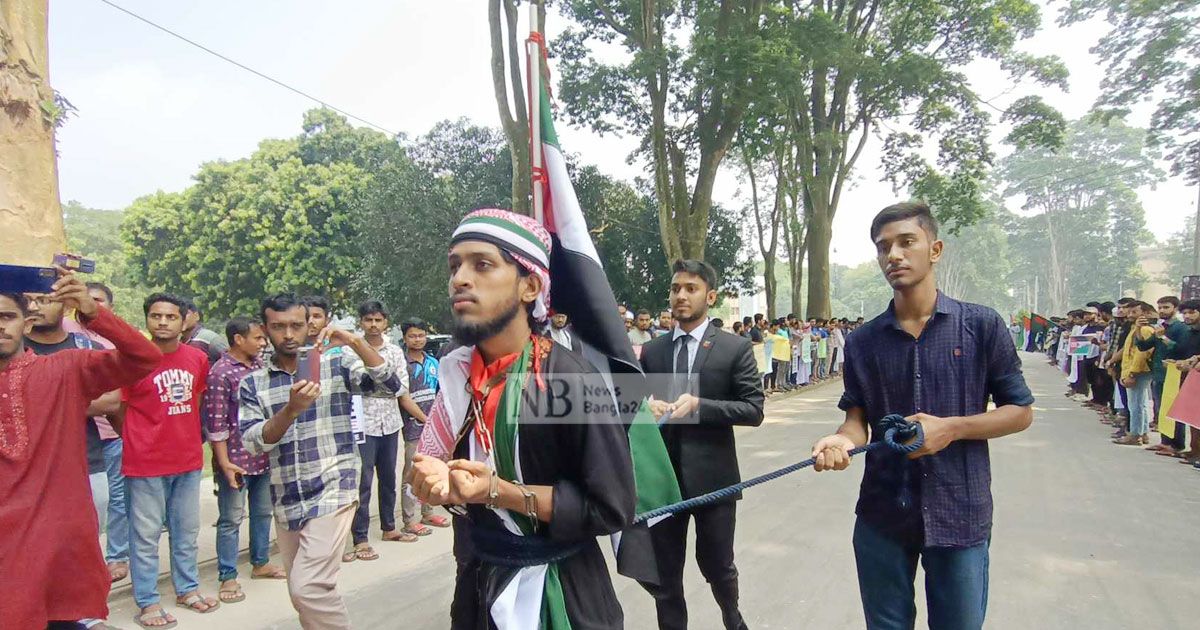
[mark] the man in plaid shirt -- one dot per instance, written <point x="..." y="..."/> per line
<point x="302" y="420"/>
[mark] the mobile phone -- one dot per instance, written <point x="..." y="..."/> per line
<point x="21" y="279"/>
<point x="75" y="262"/>
<point x="309" y="366"/>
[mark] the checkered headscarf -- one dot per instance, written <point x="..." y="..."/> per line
<point x="526" y="240"/>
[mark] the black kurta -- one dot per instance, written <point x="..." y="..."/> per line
<point x="570" y="440"/>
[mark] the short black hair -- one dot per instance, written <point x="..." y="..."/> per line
<point x="372" y="307"/>
<point x="1169" y="299"/>
<point x="189" y="306"/>
<point x="747" y="320"/>
<point x="642" y="311"/>
<point x="718" y="322"/>
<point x="281" y="302"/>
<point x="791" y="316"/>
<point x="100" y="286"/>
<point x="1093" y="304"/>
<point x="21" y="301"/>
<point x="697" y="268"/>
<point x="310" y="302"/>
<point x="169" y="298"/>
<point x="903" y="211"/>
<point x="1126" y="301"/>
<point x="1109" y="305"/>
<point x="758" y="317"/>
<point x="1189" y="305"/>
<point x="413" y="323"/>
<point x="1106" y="308"/>
<point x="238" y="326"/>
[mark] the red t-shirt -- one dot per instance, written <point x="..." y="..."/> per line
<point x="162" y="417"/>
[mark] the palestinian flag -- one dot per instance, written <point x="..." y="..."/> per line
<point x="580" y="289"/>
<point x="1036" y="328"/>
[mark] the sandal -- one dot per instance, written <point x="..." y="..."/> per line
<point x="272" y="573"/>
<point x="399" y="536"/>
<point x="436" y="520"/>
<point x="231" y="592"/>
<point x="349" y="557"/>
<point x="417" y="529"/>
<point x="152" y="612"/>
<point x="363" y="551"/>
<point x="118" y="571"/>
<point x="193" y="602"/>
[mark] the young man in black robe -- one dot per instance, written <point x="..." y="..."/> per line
<point x="524" y="440"/>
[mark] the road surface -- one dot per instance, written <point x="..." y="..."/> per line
<point x="1087" y="535"/>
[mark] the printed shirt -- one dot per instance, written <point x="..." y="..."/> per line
<point x="314" y="466"/>
<point x="423" y="388"/>
<point x="963" y="357"/>
<point x="162" y="417"/>
<point x="221" y="412"/>
<point x="381" y="411"/>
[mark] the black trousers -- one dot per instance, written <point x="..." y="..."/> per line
<point x="379" y="456"/>
<point x="1101" y="382"/>
<point x="714" y="553"/>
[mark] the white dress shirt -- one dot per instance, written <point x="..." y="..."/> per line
<point x="693" y="343"/>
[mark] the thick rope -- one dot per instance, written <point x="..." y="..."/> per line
<point x="900" y="435"/>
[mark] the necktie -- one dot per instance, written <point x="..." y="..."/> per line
<point x="681" y="368"/>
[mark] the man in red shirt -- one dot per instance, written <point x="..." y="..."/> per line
<point x="162" y="464"/>
<point x="54" y="573"/>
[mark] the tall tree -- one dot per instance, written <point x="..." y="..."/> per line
<point x="509" y="90"/>
<point x="854" y="66"/>
<point x="29" y="113"/>
<point x="768" y="217"/>
<point x="1087" y="222"/>
<point x="1152" y="54"/>
<point x="682" y="87"/>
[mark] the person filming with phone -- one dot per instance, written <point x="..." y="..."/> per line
<point x="44" y="402"/>
<point x="296" y="409"/>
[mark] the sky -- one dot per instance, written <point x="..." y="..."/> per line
<point x="152" y="109"/>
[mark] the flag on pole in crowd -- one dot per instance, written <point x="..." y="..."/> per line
<point x="580" y="290"/>
<point x="1036" y="328"/>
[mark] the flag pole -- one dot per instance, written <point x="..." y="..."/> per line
<point x="533" y="70"/>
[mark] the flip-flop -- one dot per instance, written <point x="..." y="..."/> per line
<point x="236" y="594"/>
<point x="116" y="572"/>
<point x="417" y="529"/>
<point x="140" y="619"/>
<point x="189" y="602"/>
<point x="436" y="520"/>
<point x="365" y="553"/>
<point x="402" y="536"/>
<point x="278" y="574"/>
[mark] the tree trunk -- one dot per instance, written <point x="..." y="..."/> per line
<point x="820" y="233"/>
<point x="1057" y="277"/>
<point x="1196" y="236"/>
<point x="31" y="223"/>
<point x="515" y="119"/>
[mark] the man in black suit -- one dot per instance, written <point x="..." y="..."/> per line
<point x="708" y="380"/>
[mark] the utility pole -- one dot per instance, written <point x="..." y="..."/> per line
<point x="1035" y="293"/>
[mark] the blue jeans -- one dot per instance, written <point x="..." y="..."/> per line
<point x="956" y="582"/>
<point x="174" y="499"/>
<point x="232" y="504"/>
<point x="118" y="514"/>
<point x="1139" y="405"/>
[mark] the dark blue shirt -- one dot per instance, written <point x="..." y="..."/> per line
<point x="963" y="357"/>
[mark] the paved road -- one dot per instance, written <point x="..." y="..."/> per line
<point x="1087" y="535"/>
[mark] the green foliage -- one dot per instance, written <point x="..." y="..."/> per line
<point x="1151" y="54"/>
<point x="1179" y="256"/>
<point x="1087" y="222"/>
<point x="349" y="213"/>
<point x="96" y="234"/>
<point x="252" y="227"/>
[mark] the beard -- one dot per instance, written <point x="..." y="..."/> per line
<point x="469" y="334"/>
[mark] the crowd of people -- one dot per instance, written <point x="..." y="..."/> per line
<point x="1115" y="356"/>
<point x="144" y="442"/>
<point x="305" y="421"/>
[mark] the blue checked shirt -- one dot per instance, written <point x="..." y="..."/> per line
<point x="963" y="357"/>
<point x="315" y="466"/>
